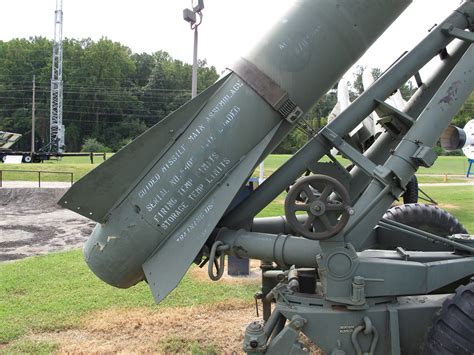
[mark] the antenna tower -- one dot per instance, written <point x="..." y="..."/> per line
<point x="56" y="110"/>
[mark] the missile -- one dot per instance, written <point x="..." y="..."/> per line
<point x="368" y="130"/>
<point x="454" y="138"/>
<point x="159" y="199"/>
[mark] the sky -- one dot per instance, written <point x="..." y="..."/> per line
<point x="227" y="31"/>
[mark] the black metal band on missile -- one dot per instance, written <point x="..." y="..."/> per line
<point x="268" y="89"/>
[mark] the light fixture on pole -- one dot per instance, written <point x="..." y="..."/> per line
<point x="191" y="16"/>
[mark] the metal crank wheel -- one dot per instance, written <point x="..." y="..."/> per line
<point x="326" y="202"/>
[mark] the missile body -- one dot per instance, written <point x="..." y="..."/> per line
<point x="158" y="200"/>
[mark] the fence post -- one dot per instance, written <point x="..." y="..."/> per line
<point x="39" y="179"/>
<point x="1" y="178"/>
<point x="72" y="178"/>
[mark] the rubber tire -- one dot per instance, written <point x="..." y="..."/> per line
<point x="27" y="159"/>
<point x="452" y="331"/>
<point x="411" y="193"/>
<point x="428" y="218"/>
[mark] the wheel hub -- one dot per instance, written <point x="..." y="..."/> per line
<point x="317" y="208"/>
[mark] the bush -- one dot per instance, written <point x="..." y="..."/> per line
<point x="93" y="145"/>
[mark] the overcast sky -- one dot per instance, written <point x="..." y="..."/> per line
<point x="228" y="28"/>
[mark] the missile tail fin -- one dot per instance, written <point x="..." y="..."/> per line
<point x="97" y="193"/>
<point x="179" y="251"/>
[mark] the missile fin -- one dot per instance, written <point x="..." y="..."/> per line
<point x="179" y="251"/>
<point x="97" y="193"/>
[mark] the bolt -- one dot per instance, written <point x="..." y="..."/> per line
<point x="297" y="324"/>
<point x="358" y="280"/>
<point x="255" y="326"/>
<point x="254" y="344"/>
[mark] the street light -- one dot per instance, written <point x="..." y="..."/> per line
<point x="190" y="17"/>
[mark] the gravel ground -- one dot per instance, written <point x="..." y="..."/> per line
<point x="31" y="223"/>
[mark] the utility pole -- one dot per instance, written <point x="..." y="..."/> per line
<point x="56" y="136"/>
<point x="33" y="109"/>
<point x="190" y="17"/>
<point x="195" y="64"/>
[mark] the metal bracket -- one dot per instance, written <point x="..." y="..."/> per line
<point x="333" y="169"/>
<point x="458" y="33"/>
<point x="286" y="342"/>
<point x="268" y="89"/>
<point x="366" y="165"/>
<point x="392" y="119"/>
<point x="425" y="156"/>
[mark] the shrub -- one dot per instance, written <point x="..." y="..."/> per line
<point x="93" y="145"/>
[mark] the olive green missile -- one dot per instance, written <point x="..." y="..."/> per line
<point x="160" y="198"/>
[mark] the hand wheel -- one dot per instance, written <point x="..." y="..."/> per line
<point x="326" y="202"/>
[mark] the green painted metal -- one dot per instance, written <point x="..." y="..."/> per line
<point x="348" y="120"/>
<point x="369" y="287"/>
<point x="160" y="184"/>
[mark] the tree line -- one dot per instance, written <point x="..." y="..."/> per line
<point x="111" y="94"/>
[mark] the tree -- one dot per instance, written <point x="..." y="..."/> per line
<point x="407" y="89"/>
<point x="94" y="146"/>
<point x="466" y="113"/>
<point x="169" y="85"/>
<point x="110" y="93"/>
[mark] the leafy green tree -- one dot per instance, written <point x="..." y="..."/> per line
<point x="110" y="93"/>
<point x="466" y="113"/>
<point x="407" y="89"/>
<point x="169" y="85"/>
<point x="93" y="145"/>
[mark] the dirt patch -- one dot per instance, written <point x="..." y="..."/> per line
<point x="253" y="279"/>
<point x="33" y="224"/>
<point x="218" y="326"/>
<point x="31" y="199"/>
<point x="448" y="206"/>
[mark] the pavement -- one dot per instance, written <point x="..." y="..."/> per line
<point x="32" y="223"/>
<point x="469" y="183"/>
<point x="34" y="184"/>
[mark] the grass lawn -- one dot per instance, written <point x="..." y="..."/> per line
<point x="53" y="292"/>
<point x="451" y="165"/>
<point x="81" y="165"/>
<point x="457" y="200"/>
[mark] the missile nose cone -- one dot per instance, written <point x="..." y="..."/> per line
<point x="111" y="251"/>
